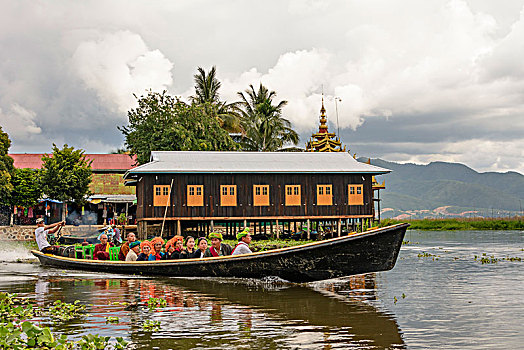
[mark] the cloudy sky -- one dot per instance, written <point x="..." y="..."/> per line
<point x="418" y="81"/>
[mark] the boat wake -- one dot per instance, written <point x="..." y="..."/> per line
<point x="15" y="252"/>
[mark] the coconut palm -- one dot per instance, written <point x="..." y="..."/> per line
<point x="207" y="96"/>
<point x="264" y="127"/>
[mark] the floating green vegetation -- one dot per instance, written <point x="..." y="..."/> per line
<point x="18" y="332"/>
<point x="153" y="303"/>
<point x="395" y="299"/>
<point x="516" y="223"/>
<point x="426" y="255"/>
<point x="409" y="242"/>
<point x="112" y="319"/>
<point x="95" y="342"/>
<point x="65" y="311"/>
<point x="485" y="259"/>
<point x="151" y="326"/>
<point x="118" y="303"/>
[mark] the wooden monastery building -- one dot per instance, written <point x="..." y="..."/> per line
<point x="194" y="192"/>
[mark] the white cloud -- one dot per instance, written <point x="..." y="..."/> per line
<point x="446" y="69"/>
<point x="19" y="122"/>
<point x="119" y="65"/>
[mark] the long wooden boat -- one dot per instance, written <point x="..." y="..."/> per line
<point x="370" y="251"/>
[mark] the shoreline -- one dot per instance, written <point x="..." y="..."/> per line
<point x="469" y="224"/>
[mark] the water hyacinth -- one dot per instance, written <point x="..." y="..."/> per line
<point x="17" y="332"/>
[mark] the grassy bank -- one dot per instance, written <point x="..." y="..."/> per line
<point x="516" y="223"/>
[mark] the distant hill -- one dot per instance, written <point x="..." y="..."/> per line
<point x="441" y="189"/>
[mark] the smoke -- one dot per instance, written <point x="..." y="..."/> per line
<point x="76" y="218"/>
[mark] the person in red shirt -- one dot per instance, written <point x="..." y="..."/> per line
<point x="102" y="249"/>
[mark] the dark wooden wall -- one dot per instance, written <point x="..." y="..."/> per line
<point x="245" y="208"/>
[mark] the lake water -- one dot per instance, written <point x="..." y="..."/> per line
<point x="437" y="296"/>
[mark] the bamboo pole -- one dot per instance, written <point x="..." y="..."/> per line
<point x="167" y="205"/>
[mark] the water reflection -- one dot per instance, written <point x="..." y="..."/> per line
<point x="219" y="313"/>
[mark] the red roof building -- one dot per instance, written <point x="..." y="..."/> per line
<point x="102" y="163"/>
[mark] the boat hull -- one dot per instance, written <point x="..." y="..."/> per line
<point x="371" y="251"/>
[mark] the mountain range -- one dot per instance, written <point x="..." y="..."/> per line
<point x="441" y="189"/>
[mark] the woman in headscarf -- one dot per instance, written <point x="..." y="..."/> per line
<point x="146" y="248"/>
<point x="156" y="252"/>
<point x="173" y="249"/>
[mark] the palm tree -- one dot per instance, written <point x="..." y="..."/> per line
<point x="207" y="96"/>
<point x="265" y="128"/>
<point x="206" y="86"/>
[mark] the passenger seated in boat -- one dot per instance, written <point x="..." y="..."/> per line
<point x="217" y="247"/>
<point x="170" y="253"/>
<point x="173" y="249"/>
<point x="41" y="233"/>
<point x="244" y="238"/>
<point x="146" y="248"/>
<point x="132" y="255"/>
<point x="156" y="252"/>
<point x="101" y="251"/>
<point x="202" y="248"/>
<point x="190" y="248"/>
<point x="124" y="249"/>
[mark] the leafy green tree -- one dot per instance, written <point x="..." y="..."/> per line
<point x="122" y="150"/>
<point x="207" y="96"/>
<point x="265" y="128"/>
<point x="27" y="189"/>
<point x="66" y="175"/>
<point x="162" y="122"/>
<point x="7" y="169"/>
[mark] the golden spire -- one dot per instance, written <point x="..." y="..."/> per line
<point x="324" y="141"/>
<point x="323" y="128"/>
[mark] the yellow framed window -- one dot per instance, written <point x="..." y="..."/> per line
<point x="195" y="195"/>
<point x="293" y="195"/>
<point x="355" y="194"/>
<point x="161" y="195"/>
<point x="260" y="195"/>
<point x="324" y="194"/>
<point x="228" y="195"/>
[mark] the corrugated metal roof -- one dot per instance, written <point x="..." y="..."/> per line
<point x="254" y="162"/>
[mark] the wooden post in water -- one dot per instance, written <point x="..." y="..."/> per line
<point x="308" y="230"/>
<point x="212" y="224"/>
<point x="278" y="230"/>
<point x="339" y="227"/>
